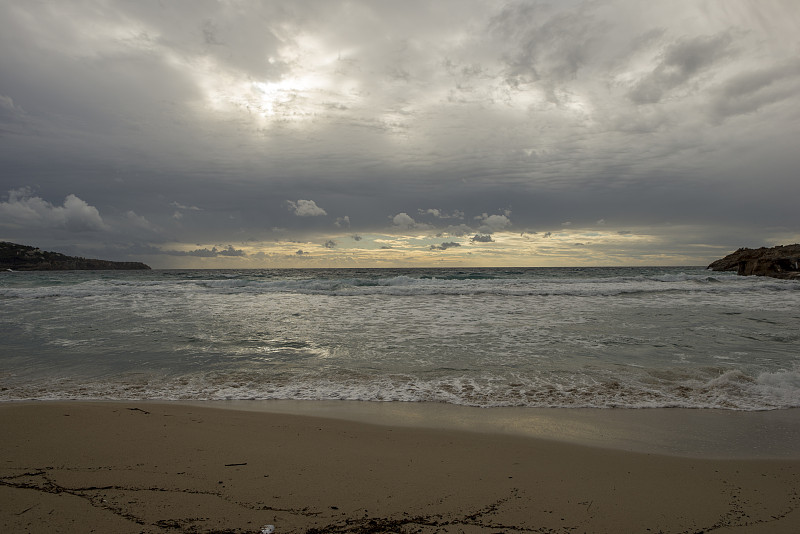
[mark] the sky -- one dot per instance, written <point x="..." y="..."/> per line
<point x="260" y="134"/>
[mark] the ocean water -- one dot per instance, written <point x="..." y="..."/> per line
<point x="539" y="337"/>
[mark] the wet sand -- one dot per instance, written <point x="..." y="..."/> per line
<point x="148" y="467"/>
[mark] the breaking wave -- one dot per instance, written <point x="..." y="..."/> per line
<point x="512" y="283"/>
<point x="730" y="390"/>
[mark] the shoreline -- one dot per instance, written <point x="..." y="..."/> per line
<point x="704" y="433"/>
<point x="170" y="467"/>
<point x="689" y="432"/>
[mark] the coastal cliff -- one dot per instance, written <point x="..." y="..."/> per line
<point x="24" y="258"/>
<point x="782" y="261"/>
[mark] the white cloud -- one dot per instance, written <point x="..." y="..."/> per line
<point x="25" y="210"/>
<point x="305" y="208"/>
<point x="132" y="218"/>
<point x="7" y="102"/>
<point x="9" y="110"/>
<point x="78" y="215"/>
<point x="182" y="207"/>
<point x="439" y="214"/>
<point x="457" y="231"/>
<point x="493" y="223"/>
<point x="404" y="220"/>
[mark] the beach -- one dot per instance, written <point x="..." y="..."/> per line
<point x="170" y="467"/>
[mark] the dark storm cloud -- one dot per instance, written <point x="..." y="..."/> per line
<point x="207" y="253"/>
<point x="546" y="45"/>
<point x="681" y="62"/>
<point x="750" y="91"/>
<point x="155" y="126"/>
<point x="445" y="245"/>
<point x="482" y="238"/>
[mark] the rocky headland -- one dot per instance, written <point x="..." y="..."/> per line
<point x="24" y="258"/>
<point x="782" y="261"/>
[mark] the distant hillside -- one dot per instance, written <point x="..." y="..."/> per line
<point x="24" y="258"/>
<point x="782" y="261"/>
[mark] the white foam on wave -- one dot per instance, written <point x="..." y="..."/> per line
<point x="263" y="337"/>
<point x="407" y="286"/>
<point x="783" y="385"/>
<point x="731" y="390"/>
<point x="338" y="284"/>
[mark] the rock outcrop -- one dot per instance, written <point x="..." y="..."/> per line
<point x="782" y="261"/>
<point x="24" y="258"/>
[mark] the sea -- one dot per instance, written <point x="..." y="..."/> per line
<point x="615" y="337"/>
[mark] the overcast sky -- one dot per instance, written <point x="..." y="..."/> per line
<point x="388" y="133"/>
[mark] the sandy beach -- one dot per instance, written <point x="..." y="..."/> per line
<point x="146" y="467"/>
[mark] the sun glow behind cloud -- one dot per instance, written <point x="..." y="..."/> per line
<point x="311" y="87"/>
<point x="321" y="84"/>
